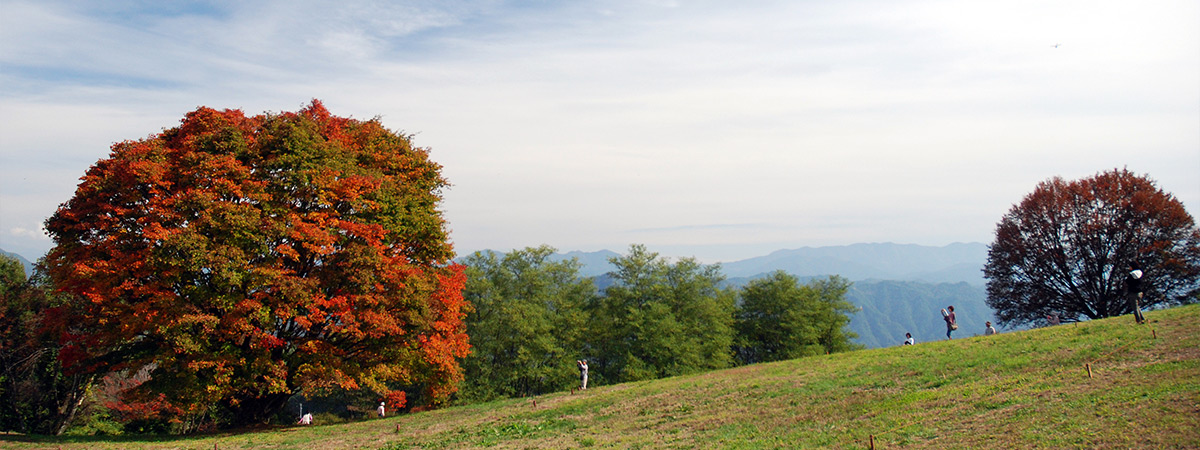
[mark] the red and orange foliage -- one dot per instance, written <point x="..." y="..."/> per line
<point x="249" y="258"/>
<point x="1068" y="245"/>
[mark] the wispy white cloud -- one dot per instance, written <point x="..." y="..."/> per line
<point x="38" y="234"/>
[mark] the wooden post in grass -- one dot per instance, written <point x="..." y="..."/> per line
<point x="1089" y="369"/>
<point x="397" y="428"/>
<point x="872" y="441"/>
<point x="1154" y="332"/>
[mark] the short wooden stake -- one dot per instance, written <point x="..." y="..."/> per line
<point x="397" y="428"/>
<point x="1089" y="369"/>
<point x="1155" y="333"/>
<point x="535" y="403"/>
<point x="872" y="441"/>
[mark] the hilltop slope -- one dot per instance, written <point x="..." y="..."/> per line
<point x="1014" y="390"/>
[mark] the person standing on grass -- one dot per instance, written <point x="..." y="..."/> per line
<point x="381" y="410"/>
<point x="908" y="339"/>
<point x="989" y="330"/>
<point x="583" y="369"/>
<point x="951" y="321"/>
<point x="1133" y="289"/>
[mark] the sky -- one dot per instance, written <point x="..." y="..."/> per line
<point x="716" y="130"/>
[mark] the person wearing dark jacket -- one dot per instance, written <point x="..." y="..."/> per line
<point x="1133" y="289"/>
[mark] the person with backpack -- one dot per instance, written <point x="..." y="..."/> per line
<point x="951" y="321"/>
<point x="1133" y="289"/>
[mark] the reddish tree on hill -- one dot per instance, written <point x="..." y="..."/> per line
<point x="246" y="259"/>
<point x="1067" y="247"/>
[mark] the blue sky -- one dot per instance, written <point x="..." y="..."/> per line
<point x="721" y="130"/>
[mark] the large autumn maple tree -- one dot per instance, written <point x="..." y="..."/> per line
<point x="246" y="259"/>
<point x="1067" y="248"/>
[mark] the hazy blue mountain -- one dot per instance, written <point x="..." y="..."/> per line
<point x="886" y="261"/>
<point x="953" y="263"/>
<point x="592" y="263"/>
<point x="888" y="309"/>
<point x="25" y="262"/>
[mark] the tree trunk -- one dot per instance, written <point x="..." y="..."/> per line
<point x="257" y="411"/>
<point x="76" y="394"/>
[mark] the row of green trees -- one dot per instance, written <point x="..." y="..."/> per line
<point x="534" y="317"/>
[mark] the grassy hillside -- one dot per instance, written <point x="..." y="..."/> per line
<point x="1015" y="390"/>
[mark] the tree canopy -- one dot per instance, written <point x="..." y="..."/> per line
<point x="528" y="323"/>
<point x="1067" y="247"/>
<point x="661" y="319"/>
<point x="12" y="275"/>
<point x="778" y="318"/>
<point x="245" y="259"/>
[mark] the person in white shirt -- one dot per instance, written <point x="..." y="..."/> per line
<point x="583" y="370"/>
<point x="909" y="339"/>
<point x="1133" y="288"/>
<point x="990" y="330"/>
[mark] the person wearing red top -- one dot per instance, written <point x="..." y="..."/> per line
<point x="951" y="322"/>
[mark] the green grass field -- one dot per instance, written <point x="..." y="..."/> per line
<point x="1026" y="389"/>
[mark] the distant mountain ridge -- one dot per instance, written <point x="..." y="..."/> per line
<point x="592" y="264"/>
<point x="954" y="263"/>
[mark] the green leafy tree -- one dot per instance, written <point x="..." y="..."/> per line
<point x="247" y="259"/>
<point x="833" y="314"/>
<point x="661" y="319"/>
<point x="1067" y="247"/>
<point x="527" y="324"/>
<point x="778" y="318"/>
<point x="12" y="276"/>
<point x="36" y="395"/>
